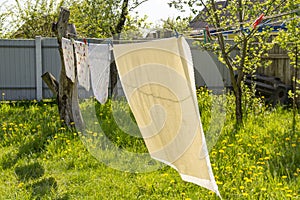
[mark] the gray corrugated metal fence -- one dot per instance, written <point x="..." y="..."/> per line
<point x="22" y="62"/>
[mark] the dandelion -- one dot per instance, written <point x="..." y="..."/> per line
<point x="284" y="177"/>
<point x="245" y="194"/>
<point x="295" y="174"/>
<point x="21" y="185"/>
<point x="289" y="195"/>
<point x="287" y="139"/>
<point x="219" y="182"/>
<point x="249" y="181"/>
<point x="172" y="181"/>
<point x="263" y="189"/>
<point x="267" y="158"/>
<point x="260" y="168"/>
<point x="242" y="187"/>
<point x="294" y="145"/>
<point x="221" y="151"/>
<point x="224" y="141"/>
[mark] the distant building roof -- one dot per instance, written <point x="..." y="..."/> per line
<point x="199" y="22"/>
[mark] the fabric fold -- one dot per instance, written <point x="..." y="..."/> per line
<point x="158" y="81"/>
<point x="68" y="55"/>
<point x="83" y="72"/>
<point x="99" y="61"/>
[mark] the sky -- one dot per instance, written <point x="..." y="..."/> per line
<point x="159" y="9"/>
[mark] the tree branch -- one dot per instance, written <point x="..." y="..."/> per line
<point x="122" y="19"/>
<point x="51" y="82"/>
<point x="136" y="5"/>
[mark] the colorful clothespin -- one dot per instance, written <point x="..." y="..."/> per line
<point x="85" y="41"/>
<point x="204" y="36"/>
<point x="258" y="21"/>
<point x="208" y="33"/>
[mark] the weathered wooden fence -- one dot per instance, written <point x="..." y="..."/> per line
<point x="280" y="66"/>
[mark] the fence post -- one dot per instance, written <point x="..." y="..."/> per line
<point x="38" y="67"/>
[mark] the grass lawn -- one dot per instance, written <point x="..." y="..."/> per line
<point x="40" y="159"/>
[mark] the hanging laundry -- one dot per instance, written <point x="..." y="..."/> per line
<point x="159" y="84"/>
<point x="99" y="60"/>
<point x="83" y="72"/>
<point x="68" y="55"/>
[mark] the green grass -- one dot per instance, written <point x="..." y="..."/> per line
<point x="40" y="159"/>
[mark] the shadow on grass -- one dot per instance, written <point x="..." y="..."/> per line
<point x="35" y="145"/>
<point x="44" y="187"/>
<point x="29" y="172"/>
<point x="8" y="160"/>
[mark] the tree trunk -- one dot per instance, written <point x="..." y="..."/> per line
<point x="67" y="91"/>
<point x="238" y="106"/>
<point x="116" y="33"/>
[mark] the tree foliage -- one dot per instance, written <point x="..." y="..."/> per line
<point x="32" y="18"/>
<point x="92" y="18"/>
<point x="178" y="24"/>
<point x="106" y="18"/>
<point x="252" y="45"/>
<point x="4" y="13"/>
<point x="289" y="40"/>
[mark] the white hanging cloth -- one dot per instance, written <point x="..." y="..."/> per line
<point x="158" y="81"/>
<point x="99" y="60"/>
<point x="68" y="55"/>
<point x="83" y="72"/>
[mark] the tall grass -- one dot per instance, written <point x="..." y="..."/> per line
<point x="41" y="159"/>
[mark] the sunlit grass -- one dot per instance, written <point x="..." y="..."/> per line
<point x="40" y="159"/>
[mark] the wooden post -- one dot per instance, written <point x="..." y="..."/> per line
<point x="38" y="68"/>
<point x="66" y="91"/>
